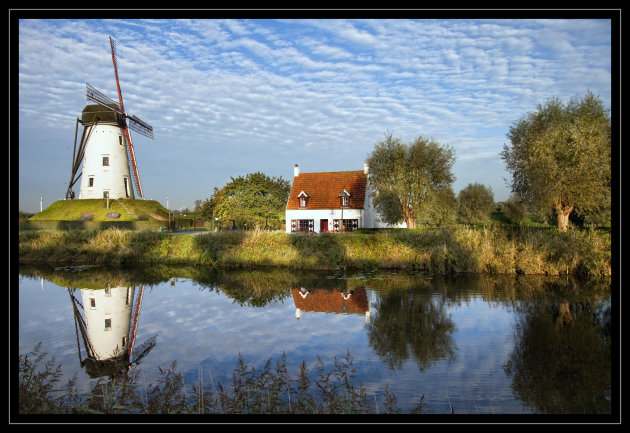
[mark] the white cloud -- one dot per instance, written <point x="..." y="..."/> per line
<point x="265" y="89"/>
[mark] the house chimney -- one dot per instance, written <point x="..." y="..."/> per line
<point x="366" y="168"/>
<point x="296" y="170"/>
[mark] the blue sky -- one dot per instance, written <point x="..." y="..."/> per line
<point x="227" y="97"/>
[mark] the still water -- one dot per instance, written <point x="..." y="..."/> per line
<point x="486" y="345"/>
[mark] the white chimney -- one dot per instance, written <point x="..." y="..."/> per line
<point x="366" y="168"/>
<point x="296" y="170"/>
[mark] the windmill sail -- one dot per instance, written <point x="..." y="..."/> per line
<point x="140" y="126"/>
<point x="132" y="157"/>
<point x="96" y="96"/>
<point x="135" y="123"/>
<point x="143" y="350"/>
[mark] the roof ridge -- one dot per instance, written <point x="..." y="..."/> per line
<point x="328" y="172"/>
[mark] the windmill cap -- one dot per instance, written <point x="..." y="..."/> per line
<point x="92" y="111"/>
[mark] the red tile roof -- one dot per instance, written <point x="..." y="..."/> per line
<point x="324" y="189"/>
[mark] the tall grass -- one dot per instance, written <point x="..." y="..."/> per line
<point x="457" y="249"/>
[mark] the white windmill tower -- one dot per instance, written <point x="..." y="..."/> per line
<point x="105" y="149"/>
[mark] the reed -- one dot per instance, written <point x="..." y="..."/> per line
<point x="457" y="249"/>
<point x="329" y="389"/>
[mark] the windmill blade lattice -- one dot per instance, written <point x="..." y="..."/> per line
<point x="96" y="96"/>
<point x="140" y="126"/>
<point x="135" y="123"/>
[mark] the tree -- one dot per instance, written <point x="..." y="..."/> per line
<point x="476" y="201"/>
<point x="514" y="209"/>
<point x="405" y="178"/>
<point x="254" y="200"/>
<point x="560" y="156"/>
<point x="443" y="209"/>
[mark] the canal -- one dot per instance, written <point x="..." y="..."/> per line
<point x="468" y="344"/>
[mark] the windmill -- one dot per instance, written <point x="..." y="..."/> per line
<point x="105" y="150"/>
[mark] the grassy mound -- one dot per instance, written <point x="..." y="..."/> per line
<point x="96" y="210"/>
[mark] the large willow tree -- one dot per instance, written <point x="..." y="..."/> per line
<point x="560" y="157"/>
<point x="409" y="180"/>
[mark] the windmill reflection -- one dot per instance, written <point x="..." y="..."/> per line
<point x="108" y="330"/>
<point x="349" y="301"/>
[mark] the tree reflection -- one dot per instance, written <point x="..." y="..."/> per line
<point x="562" y="357"/>
<point x="411" y="325"/>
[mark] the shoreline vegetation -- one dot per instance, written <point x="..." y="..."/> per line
<point x="494" y="249"/>
<point x="326" y="389"/>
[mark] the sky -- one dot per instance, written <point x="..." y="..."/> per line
<point x="232" y="96"/>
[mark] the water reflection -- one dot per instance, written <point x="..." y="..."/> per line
<point x="561" y="361"/>
<point x="523" y="344"/>
<point x="351" y="301"/>
<point x="107" y="328"/>
<point x="412" y="325"/>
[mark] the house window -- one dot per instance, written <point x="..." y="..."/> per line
<point x="349" y="225"/>
<point x="302" y="226"/>
<point x="344" y="198"/>
<point x="91" y="181"/>
<point x="120" y="140"/>
<point x="108" y="324"/>
<point x="106" y="161"/>
<point x="303" y="199"/>
<point x="92" y="303"/>
<point x="105" y="194"/>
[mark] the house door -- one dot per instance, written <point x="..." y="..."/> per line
<point x="323" y="225"/>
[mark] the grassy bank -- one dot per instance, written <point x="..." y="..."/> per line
<point x="494" y="250"/>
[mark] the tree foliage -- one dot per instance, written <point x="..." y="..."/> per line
<point x="560" y="156"/>
<point x="406" y="180"/>
<point x="443" y="209"/>
<point x="254" y="200"/>
<point x="476" y="201"/>
<point x="514" y="209"/>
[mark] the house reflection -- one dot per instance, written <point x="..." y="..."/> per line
<point x="350" y="301"/>
<point x="107" y="329"/>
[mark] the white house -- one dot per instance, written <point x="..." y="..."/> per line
<point x="328" y="201"/>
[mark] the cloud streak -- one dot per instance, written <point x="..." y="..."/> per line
<point x="230" y="97"/>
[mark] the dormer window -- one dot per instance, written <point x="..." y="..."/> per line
<point x="344" y="199"/>
<point x="303" y="199"/>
